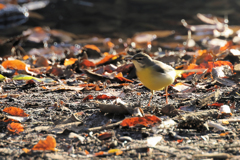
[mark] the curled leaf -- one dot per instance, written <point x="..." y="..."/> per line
<point x="15" y="127"/>
<point x="87" y="98"/>
<point x="120" y="77"/>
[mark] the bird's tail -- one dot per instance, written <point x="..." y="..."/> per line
<point x="180" y="72"/>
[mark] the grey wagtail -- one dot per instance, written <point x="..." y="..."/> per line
<point x="156" y="75"/>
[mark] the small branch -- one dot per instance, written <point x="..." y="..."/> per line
<point x="112" y="125"/>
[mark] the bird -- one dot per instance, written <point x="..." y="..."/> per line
<point x="154" y="74"/>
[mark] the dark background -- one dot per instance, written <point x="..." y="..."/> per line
<point x="123" y="18"/>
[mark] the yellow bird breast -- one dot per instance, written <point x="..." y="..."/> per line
<point x="154" y="80"/>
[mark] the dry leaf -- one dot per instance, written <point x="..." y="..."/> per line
<point x="105" y="97"/>
<point x="105" y="135"/>
<point x="15" y="111"/>
<point x="147" y="120"/>
<point x="87" y="98"/>
<point x="16" y="64"/>
<point x="48" y="144"/>
<point x="15" y="127"/>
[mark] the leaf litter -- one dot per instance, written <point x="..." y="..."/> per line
<point x="86" y="102"/>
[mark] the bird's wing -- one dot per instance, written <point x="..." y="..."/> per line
<point x="161" y="67"/>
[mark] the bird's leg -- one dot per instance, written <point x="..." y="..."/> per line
<point x="166" y="94"/>
<point x="150" y="99"/>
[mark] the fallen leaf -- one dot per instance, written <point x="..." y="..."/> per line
<point x="105" y="97"/>
<point x="86" y="152"/>
<point x="16" y="64"/>
<point x="180" y="140"/>
<point x="70" y="61"/>
<point x="87" y="98"/>
<point x="15" y="127"/>
<point x="15" y="111"/>
<point x="147" y="120"/>
<point x="105" y="59"/>
<point x="105" y="135"/>
<point x="25" y="77"/>
<point x="120" y="77"/>
<point x="224" y="134"/>
<point x="93" y="47"/>
<point x="48" y="144"/>
<point x="86" y="63"/>
<point x="99" y="153"/>
<point x="116" y="151"/>
<point x="216" y="104"/>
<point x="41" y="62"/>
<point x="27" y="151"/>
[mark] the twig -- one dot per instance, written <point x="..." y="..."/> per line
<point x="213" y="155"/>
<point x="112" y="125"/>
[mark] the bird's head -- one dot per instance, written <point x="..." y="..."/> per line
<point x="141" y="60"/>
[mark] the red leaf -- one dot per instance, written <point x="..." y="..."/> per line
<point x="147" y="120"/>
<point x="105" y="97"/>
<point x="87" y="98"/>
<point x="87" y="63"/>
<point x="216" y="104"/>
<point x="15" y="111"/>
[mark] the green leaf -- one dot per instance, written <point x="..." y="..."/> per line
<point x="25" y="77"/>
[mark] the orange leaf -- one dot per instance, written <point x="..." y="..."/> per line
<point x="25" y="57"/>
<point x="86" y="152"/>
<point x="26" y="150"/>
<point x="99" y="153"/>
<point x="48" y="144"/>
<point x="120" y="77"/>
<point x="147" y="120"/>
<point x="93" y="47"/>
<point x="10" y="120"/>
<point x="87" y="63"/>
<point x="3" y="95"/>
<point x="104" y="96"/>
<point x="110" y="44"/>
<point x="16" y="64"/>
<point x="15" y="127"/>
<point x="15" y="111"/>
<point x="97" y="88"/>
<point x="87" y="98"/>
<point x="216" y="104"/>
<point x="119" y="153"/>
<point x="105" y="59"/>
<point x="180" y="140"/>
<point x="227" y="45"/>
<point x="70" y="61"/>
<point x="2" y="6"/>
<point x="208" y="65"/>
<point x="224" y="134"/>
